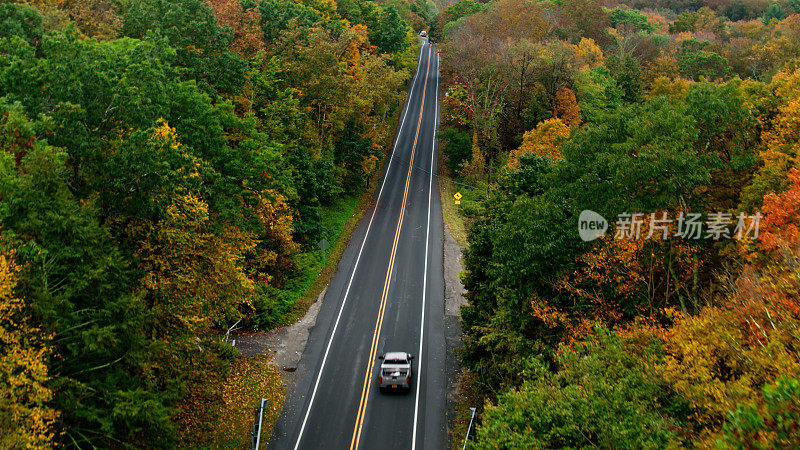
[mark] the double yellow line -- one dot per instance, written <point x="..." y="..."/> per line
<point x="362" y="405"/>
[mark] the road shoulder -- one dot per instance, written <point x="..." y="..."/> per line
<point x="454" y="298"/>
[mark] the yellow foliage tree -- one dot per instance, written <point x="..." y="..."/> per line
<point x="588" y="53"/>
<point x="95" y="18"/>
<point x="787" y="85"/>
<point x="698" y="350"/>
<point x="676" y="88"/>
<point x="195" y="274"/>
<point x="475" y="168"/>
<point x="544" y="140"/>
<point x="25" y="419"/>
<point x="663" y="66"/>
<point x="271" y="259"/>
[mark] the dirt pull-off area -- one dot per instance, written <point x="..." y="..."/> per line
<point x="286" y="344"/>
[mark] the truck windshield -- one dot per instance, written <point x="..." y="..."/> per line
<point x="395" y="361"/>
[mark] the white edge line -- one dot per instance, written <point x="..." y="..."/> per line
<point x="355" y="267"/>
<point x="425" y="276"/>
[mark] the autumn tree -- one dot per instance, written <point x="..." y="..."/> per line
<point x="780" y="227"/>
<point x="26" y="418"/>
<point x="567" y="108"/>
<point x="543" y="141"/>
<point x="95" y="18"/>
<point x="588" y="53"/>
<point x="780" y="154"/>
<point x="245" y="24"/>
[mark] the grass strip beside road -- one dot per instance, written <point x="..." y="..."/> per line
<point x="340" y="220"/>
<point x="453" y="220"/>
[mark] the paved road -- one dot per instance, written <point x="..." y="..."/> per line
<point x="387" y="295"/>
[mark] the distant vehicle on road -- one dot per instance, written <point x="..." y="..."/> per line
<point x="395" y="371"/>
<point x="423" y="33"/>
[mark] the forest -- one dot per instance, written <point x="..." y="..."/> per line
<point x="167" y="168"/>
<point x="646" y="108"/>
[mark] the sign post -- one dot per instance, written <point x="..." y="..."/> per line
<point x="323" y="244"/>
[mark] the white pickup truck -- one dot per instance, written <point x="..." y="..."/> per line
<point x="395" y="371"/>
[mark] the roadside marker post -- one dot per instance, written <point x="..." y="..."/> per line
<point x="469" y="428"/>
<point x="323" y="244"/>
<point x="256" y="442"/>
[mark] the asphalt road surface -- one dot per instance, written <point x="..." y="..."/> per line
<point x="387" y="295"/>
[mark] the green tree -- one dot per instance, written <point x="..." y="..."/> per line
<point x="703" y="64"/>
<point x="391" y="34"/>
<point x="204" y="53"/>
<point x="601" y="395"/>
<point x="773" y="11"/>
<point x="280" y="15"/>
<point x="350" y="151"/>
<point x="627" y="72"/>
<point x="630" y="18"/>
<point x="20" y="20"/>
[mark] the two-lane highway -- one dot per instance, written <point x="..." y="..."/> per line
<point x="387" y="295"/>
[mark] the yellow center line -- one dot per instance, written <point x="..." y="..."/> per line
<point x="362" y="405"/>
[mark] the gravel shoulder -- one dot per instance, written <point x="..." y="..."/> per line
<point x="454" y="299"/>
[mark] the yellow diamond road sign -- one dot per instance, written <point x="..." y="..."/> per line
<point x="457" y="196"/>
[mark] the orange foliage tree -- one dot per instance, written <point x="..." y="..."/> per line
<point x="625" y="278"/>
<point x="781" y="223"/>
<point x="566" y="107"/>
<point x="724" y="356"/>
<point x="245" y="24"/>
